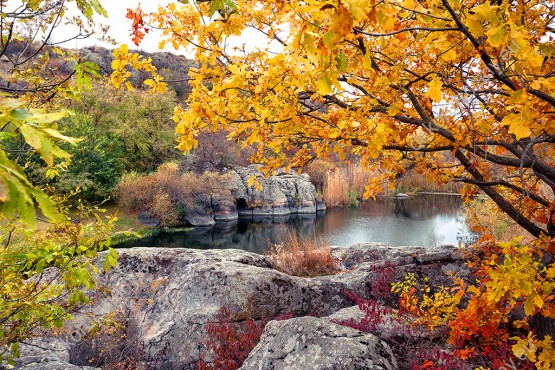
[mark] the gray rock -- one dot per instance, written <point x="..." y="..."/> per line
<point x="282" y="194"/>
<point x="147" y="220"/>
<point x="315" y="343"/>
<point x="171" y="293"/>
<point x="46" y="354"/>
<point x="168" y="294"/>
<point x="199" y="218"/>
<point x="225" y="209"/>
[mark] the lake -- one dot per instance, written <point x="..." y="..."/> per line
<point x="422" y="220"/>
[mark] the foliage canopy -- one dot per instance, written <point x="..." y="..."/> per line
<point x="390" y="82"/>
<point x="462" y="88"/>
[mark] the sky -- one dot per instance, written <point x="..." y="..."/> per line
<point x="120" y="26"/>
<point x="120" y="29"/>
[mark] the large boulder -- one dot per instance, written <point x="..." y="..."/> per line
<point x="315" y="343"/>
<point x="282" y="194"/>
<point x="171" y="293"/>
<point x="164" y="297"/>
<point x="46" y="354"/>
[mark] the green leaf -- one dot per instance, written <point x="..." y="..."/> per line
<point x="15" y="350"/>
<point x="47" y="206"/>
<point x="324" y="85"/>
<point x="215" y="5"/>
<point x="342" y="62"/>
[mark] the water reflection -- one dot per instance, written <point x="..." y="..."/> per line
<point x="425" y="220"/>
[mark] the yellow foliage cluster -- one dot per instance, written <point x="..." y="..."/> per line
<point x="460" y="87"/>
<point x="120" y="75"/>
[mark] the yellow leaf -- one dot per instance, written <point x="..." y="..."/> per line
<point x="475" y="26"/>
<point x="357" y="9"/>
<point x="517" y="126"/>
<point x="324" y="85"/>
<point x="434" y="89"/>
<point x="498" y="36"/>
<point x="485" y="11"/>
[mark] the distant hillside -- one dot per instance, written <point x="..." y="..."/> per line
<point x="174" y="68"/>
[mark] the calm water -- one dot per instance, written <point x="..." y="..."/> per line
<point x="423" y="220"/>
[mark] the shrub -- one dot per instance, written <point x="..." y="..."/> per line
<point x="303" y="257"/>
<point x="230" y="345"/>
<point x="167" y="194"/>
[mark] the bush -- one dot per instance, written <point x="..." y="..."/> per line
<point x="168" y="195"/>
<point x="230" y="346"/>
<point x="303" y="257"/>
<point x="229" y="343"/>
<point x="95" y="166"/>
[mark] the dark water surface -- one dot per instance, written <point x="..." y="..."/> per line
<point x="422" y="220"/>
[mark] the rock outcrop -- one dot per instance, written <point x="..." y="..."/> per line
<point x="164" y="298"/>
<point x="314" y="343"/>
<point x="281" y="194"/>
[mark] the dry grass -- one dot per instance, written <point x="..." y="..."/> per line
<point x="336" y="189"/>
<point x="485" y="217"/>
<point x="345" y="186"/>
<point x="358" y="178"/>
<point x="303" y="257"/>
<point x="413" y="181"/>
<point x="166" y="194"/>
<point x="318" y="171"/>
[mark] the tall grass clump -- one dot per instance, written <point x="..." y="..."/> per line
<point x="358" y="178"/>
<point x="168" y="194"/>
<point x="345" y="186"/>
<point x="336" y="188"/>
<point x="413" y="181"/>
<point x="318" y="171"/>
<point x="303" y="257"/>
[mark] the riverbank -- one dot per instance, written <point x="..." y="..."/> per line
<point x="427" y="220"/>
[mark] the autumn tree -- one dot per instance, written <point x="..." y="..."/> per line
<point x="43" y="275"/>
<point x="463" y="89"/>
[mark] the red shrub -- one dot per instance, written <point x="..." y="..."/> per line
<point x="229" y="344"/>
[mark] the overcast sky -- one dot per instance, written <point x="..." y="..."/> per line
<point x="120" y="26"/>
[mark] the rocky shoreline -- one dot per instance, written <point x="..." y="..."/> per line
<point x="280" y="195"/>
<point x="166" y="297"/>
